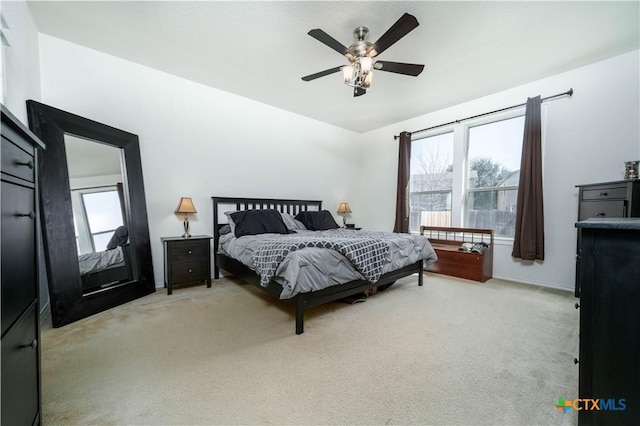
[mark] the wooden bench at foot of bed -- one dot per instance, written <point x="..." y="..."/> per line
<point x="451" y="261"/>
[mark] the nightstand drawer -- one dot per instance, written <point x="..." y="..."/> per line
<point x="190" y="251"/>
<point x="186" y="260"/>
<point x="605" y="193"/>
<point x="192" y="271"/>
<point x="602" y="209"/>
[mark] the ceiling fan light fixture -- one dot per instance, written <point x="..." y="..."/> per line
<point x="366" y="64"/>
<point x="347" y="73"/>
<point x="367" y="80"/>
<point x="362" y="55"/>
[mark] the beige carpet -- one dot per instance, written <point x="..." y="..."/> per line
<point x="451" y="352"/>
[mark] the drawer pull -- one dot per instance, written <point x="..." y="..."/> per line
<point x="604" y="194"/>
<point x="577" y="305"/>
<point x="189" y="252"/>
<point x="29" y="164"/>
<point x="32" y="345"/>
<point x="190" y="270"/>
<point x="30" y="215"/>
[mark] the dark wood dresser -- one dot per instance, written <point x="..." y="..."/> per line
<point x="609" y="321"/>
<point x="186" y="260"/>
<point x="609" y="200"/>
<point x="19" y="299"/>
<point x="606" y="200"/>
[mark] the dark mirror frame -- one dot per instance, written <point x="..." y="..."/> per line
<point x="68" y="303"/>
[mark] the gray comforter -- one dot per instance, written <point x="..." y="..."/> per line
<point x="312" y="268"/>
<point x="98" y="261"/>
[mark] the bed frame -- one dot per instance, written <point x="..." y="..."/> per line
<point x="301" y="301"/>
<point x="97" y="280"/>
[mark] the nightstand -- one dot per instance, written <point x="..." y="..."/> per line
<point x="186" y="260"/>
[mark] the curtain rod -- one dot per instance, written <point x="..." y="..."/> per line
<point x="567" y="93"/>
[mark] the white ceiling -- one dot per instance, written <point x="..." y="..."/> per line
<point x="260" y="50"/>
<point x="87" y="158"/>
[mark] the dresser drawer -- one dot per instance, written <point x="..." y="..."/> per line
<point x="18" y="259"/>
<point x="19" y="371"/>
<point x="192" y="271"/>
<point x="189" y="251"/>
<point x="602" y="209"/>
<point x="17" y="162"/>
<point x="605" y="193"/>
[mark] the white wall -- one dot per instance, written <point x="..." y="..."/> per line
<point x="198" y="142"/>
<point x="20" y="69"/>
<point x="586" y="140"/>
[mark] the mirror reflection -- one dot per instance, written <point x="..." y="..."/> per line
<point x="97" y="185"/>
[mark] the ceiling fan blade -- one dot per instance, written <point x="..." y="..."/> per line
<point x="358" y="91"/>
<point x="321" y="74"/>
<point x="399" y="68"/>
<point x="325" y="38"/>
<point x="401" y="28"/>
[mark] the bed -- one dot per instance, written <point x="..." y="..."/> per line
<point x="304" y="273"/>
<point x="105" y="268"/>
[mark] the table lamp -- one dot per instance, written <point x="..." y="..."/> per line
<point x="186" y="206"/>
<point x="343" y="210"/>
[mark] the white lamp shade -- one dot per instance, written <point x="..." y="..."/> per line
<point x="347" y="73"/>
<point x="344" y="208"/>
<point x="186" y="206"/>
<point x="365" y="64"/>
<point x="367" y="79"/>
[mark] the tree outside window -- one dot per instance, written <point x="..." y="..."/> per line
<point x="431" y="181"/>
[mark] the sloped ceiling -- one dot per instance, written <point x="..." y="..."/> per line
<point x="260" y="50"/>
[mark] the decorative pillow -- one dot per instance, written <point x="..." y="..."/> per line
<point x="120" y="236"/>
<point x="225" y="229"/>
<point x="317" y="221"/>
<point x="232" y="226"/>
<point x="254" y="222"/>
<point x="289" y="222"/>
<point x="300" y="225"/>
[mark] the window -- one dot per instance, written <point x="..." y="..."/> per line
<point x="103" y="214"/>
<point x="493" y="172"/>
<point x="96" y="215"/>
<point x="468" y="176"/>
<point x="430" y="182"/>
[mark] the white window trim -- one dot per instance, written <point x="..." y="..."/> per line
<point x="84" y="233"/>
<point x="460" y="161"/>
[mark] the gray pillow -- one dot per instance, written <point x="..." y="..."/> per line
<point x="290" y="222"/>
<point x="230" y="221"/>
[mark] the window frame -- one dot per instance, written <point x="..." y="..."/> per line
<point x="436" y="132"/>
<point x="86" y="243"/>
<point x="467" y="126"/>
<point x="460" y="189"/>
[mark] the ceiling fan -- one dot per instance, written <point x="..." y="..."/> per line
<point x="362" y="55"/>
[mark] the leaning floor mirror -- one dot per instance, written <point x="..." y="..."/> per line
<point x="94" y="215"/>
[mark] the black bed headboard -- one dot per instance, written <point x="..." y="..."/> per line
<point x="225" y="204"/>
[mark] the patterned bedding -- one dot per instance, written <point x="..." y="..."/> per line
<point x="312" y="260"/>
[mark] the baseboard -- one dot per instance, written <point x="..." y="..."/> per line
<point x="536" y="283"/>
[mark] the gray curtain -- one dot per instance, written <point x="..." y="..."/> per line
<point x="528" y="242"/>
<point x="402" y="194"/>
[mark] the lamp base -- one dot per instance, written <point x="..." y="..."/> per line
<point x="186" y="229"/>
